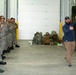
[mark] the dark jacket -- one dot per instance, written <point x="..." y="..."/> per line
<point x="69" y="35"/>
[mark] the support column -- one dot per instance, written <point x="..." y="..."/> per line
<point x="2" y="7"/>
<point x="65" y="9"/>
<point x="12" y="9"/>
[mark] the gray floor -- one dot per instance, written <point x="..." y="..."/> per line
<point x="38" y="60"/>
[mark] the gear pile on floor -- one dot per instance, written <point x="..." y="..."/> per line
<point x="47" y="38"/>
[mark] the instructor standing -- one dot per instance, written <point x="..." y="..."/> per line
<point x="69" y="40"/>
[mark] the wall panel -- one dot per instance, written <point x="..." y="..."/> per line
<point x="38" y="15"/>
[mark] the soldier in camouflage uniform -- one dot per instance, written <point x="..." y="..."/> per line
<point x="4" y="36"/>
<point x="3" y="30"/>
<point x="13" y="31"/>
<point x="9" y="35"/>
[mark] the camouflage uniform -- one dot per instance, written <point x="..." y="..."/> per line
<point x="9" y="36"/>
<point x="3" y="37"/>
<point x="0" y="48"/>
<point x="13" y="32"/>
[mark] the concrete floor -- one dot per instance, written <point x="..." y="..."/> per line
<point x="38" y="60"/>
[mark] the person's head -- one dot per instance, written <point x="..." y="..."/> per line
<point x="12" y="20"/>
<point x="67" y="20"/>
<point x="2" y="18"/>
<point x="8" y="20"/>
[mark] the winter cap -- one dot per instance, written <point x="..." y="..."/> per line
<point x="67" y="17"/>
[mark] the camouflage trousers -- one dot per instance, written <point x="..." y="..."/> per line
<point x="14" y="38"/>
<point x="9" y="40"/>
<point x="1" y="50"/>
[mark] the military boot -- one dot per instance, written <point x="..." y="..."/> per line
<point x="1" y="71"/>
<point x="17" y="46"/>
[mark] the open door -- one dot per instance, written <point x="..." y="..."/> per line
<point x="73" y="13"/>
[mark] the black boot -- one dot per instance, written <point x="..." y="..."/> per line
<point x="2" y="63"/>
<point x="7" y="51"/>
<point x="3" y="57"/>
<point x="17" y="46"/>
<point x="4" y="51"/>
<point x="12" y="48"/>
<point x="1" y="71"/>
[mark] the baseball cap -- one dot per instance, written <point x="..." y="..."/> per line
<point x="67" y="17"/>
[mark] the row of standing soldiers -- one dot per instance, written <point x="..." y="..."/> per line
<point x="7" y="37"/>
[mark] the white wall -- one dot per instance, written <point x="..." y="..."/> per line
<point x="38" y="15"/>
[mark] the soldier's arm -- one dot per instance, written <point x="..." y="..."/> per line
<point x="16" y="26"/>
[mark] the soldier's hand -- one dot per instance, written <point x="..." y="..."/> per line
<point x="71" y="28"/>
<point x="14" y="27"/>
